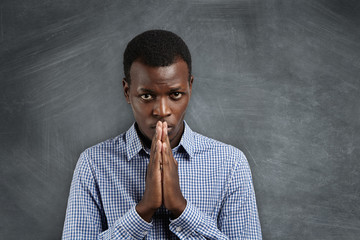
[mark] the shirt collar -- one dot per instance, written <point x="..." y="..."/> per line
<point x="134" y="144"/>
<point x="187" y="140"/>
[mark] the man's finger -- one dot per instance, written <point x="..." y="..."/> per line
<point x="158" y="157"/>
<point x="166" y="141"/>
<point x="164" y="153"/>
<point x="164" y="132"/>
<point x="159" y="130"/>
<point x="165" y="135"/>
<point x="156" y="138"/>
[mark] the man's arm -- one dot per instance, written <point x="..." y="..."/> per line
<point x="173" y="198"/>
<point x="152" y="198"/>
<point x="85" y="217"/>
<point x="162" y="180"/>
<point x="238" y="218"/>
<point x="239" y="215"/>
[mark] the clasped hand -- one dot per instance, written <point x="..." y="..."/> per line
<point x="162" y="179"/>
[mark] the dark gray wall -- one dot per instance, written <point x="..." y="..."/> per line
<point x="277" y="79"/>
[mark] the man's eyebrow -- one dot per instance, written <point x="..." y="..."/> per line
<point x="175" y="89"/>
<point x="146" y="90"/>
<point x="152" y="91"/>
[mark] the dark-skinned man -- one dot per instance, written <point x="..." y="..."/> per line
<point x="161" y="180"/>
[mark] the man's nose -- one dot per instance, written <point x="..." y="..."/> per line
<point x="162" y="108"/>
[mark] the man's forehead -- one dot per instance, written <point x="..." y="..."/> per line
<point x="171" y="74"/>
<point x="144" y="63"/>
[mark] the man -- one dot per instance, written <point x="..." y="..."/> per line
<point x="161" y="180"/>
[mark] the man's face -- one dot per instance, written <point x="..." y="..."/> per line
<point x="159" y="94"/>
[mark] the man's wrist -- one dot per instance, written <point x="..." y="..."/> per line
<point x="144" y="212"/>
<point x="176" y="212"/>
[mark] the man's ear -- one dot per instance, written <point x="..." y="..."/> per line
<point x="126" y="88"/>
<point x="191" y="82"/>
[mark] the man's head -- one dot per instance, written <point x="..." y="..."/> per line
<point x="158" y="82"/>
<point x="155" y="48"/>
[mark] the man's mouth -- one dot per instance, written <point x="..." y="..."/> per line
<point x="170" y="127"/>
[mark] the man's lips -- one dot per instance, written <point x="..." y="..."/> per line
<point x="153" y="127"/>
<point x="170" y="127"/>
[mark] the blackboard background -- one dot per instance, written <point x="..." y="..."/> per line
<point x="277" y="79"/>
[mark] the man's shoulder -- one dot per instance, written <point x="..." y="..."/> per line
<point x="108" y="146"/>
<point x="207" y="144"/>
<point x="217" y="153"/>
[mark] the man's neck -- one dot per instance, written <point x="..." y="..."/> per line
<point x="144" y="140"/>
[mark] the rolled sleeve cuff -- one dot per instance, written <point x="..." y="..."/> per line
<point x="187" y="222"/>
<point x="134" y="225"/>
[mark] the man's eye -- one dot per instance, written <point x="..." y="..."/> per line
<point x="176" y="95"/>
<point x="146" y="96"/>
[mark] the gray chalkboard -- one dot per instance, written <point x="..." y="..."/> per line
<point x="277" y="79"/>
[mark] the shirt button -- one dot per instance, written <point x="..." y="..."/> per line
<point x="178" y="229"/>
<point x="145" y="232"/>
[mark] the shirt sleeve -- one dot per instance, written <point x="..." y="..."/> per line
<point x="238" y="217"/>
<point x="85" y="217"/>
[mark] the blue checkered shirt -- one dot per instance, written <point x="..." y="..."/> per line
<point x="109" y="180"/>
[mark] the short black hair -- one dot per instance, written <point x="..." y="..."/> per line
<point x="156" y="48"/>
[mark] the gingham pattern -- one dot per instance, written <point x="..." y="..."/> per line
<point x="109" y="180"/>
